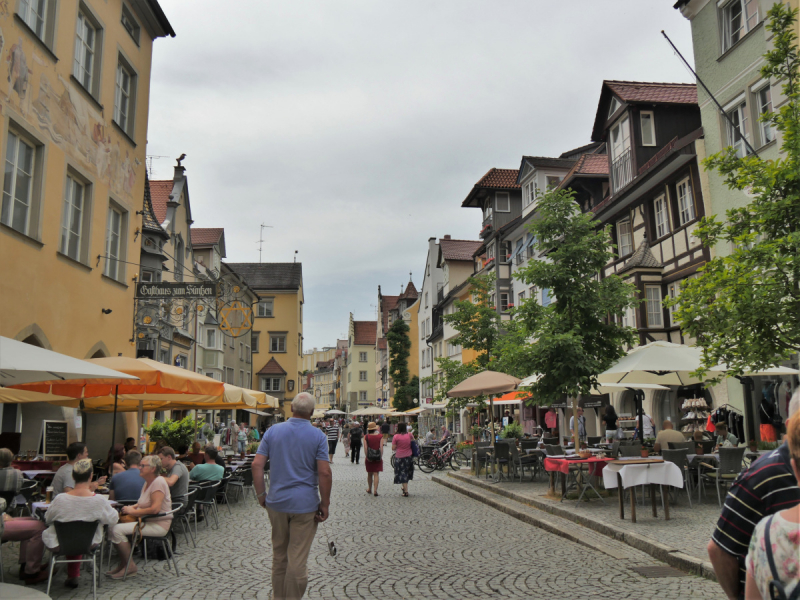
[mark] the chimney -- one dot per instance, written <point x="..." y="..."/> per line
<point x="447" y="237"/>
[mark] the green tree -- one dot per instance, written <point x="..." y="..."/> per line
<point x="404" y="396"/>
<point x="573" y="339"/>
<point x="744" y="308"/>
<point x="477" y="323"/>
<point x="399" y="351"/>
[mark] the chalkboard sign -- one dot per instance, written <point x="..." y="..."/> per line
<point x="53" y="438"/>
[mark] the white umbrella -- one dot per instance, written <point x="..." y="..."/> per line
<point x="23" y="363"/>
<point x="335" y="412"/>
<point x="370" y="411"/>
<point x="610" y="388"/>
<point x="658" y="362"/>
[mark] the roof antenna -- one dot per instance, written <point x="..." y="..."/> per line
<point x="295" y="256"/>
<point x="261" y="240"/>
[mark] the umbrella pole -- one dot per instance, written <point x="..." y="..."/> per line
<point x="576" y="425"/>
<point x="491" y="415"/>
<point x="195" y="424"/>
<point x="139" y="424"/>
<point x="114" y="423"/>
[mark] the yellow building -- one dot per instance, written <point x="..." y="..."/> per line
<point x="74" y="132"/>
<point x="392" y="308"/>
<point x="312" y="357"/>
<point x="361" y="364"/>
<point x="277" y="341"/>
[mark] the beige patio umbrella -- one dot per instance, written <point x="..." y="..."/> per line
<point x="371" y="411"/>
<point x="485" y="383"/>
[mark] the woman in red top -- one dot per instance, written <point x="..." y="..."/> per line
<point x="403" y="459"/>
<point x="373" y="441"/>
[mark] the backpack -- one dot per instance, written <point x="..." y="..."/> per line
<point x="355" y="434"/>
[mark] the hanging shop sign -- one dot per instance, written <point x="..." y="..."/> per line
<point x="176" y="290"/>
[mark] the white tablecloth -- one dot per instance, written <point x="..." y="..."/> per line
<point x="32" y="474"/>
<point x="665" y="473"/>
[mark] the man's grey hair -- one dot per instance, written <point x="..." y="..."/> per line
<point x="794" y="403"/>
<point x="303" y="405"/>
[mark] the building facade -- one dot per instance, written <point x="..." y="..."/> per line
<point x="361" y="358"/>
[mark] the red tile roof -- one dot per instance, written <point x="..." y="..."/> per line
<point x="410" y="293"/>
<point x="588" y="164"/>
<point x="365" y="333"/>
<point x="272" y="368"/>
<point x="382" y="344"/>
<point x="458" y="249"/>
<point x="499" y="179"/>
<point x="661" y="93"/>
<point x="159" y="194"/>
<point x="206" y="236"/>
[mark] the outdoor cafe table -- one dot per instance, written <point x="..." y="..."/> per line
<point x="33" y="474"/>
<point x="626" y="474"/>
<point x="559" y="464"/>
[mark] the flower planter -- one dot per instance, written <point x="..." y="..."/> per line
<point x="645" y="452"/>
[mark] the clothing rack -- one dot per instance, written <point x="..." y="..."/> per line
<point x="728" y="407"/>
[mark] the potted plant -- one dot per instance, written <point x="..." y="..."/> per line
<point x="512" y="430"/>
<point x="645" y="452"/>
<point x="753" y="446"/>
<point x="475" y="431"/>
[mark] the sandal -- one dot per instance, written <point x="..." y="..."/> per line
<point x="375" y="494"/>
<point x="405" y="494"/>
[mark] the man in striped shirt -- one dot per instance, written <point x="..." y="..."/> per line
<point x="332" y="430"/>
<point x="767" y="487"/>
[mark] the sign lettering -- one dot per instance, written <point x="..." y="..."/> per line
<point x="176" y="290"/>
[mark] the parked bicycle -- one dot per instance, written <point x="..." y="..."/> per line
<point x="439" y="458"/>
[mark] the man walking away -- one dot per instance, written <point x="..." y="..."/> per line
<point x="299" y="494"/>
<point x="332" y="431"/>
<point x="356" y="431"/>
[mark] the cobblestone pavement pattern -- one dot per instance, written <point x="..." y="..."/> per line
<point x="435" y="544"/>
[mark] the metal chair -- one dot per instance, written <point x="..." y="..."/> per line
<point x="502" y="456"/>
<point x="690" y="447"/>
<point x="207" y="501"/>
<point x="183" y="514"/>
<point x="730" y="465"/>
<point x="222" y="492"/>
<point x="164" y="540"/>
<point x="25" y="496"/>
<point x="244" y="484"/>
<point x="593" y="440"/>
<point x="552" y="441"/>
<point x="678" y="457"/>
<point x="75" y="538"/>
<point x="520" y="462"/>
<point x="481" y="458"/>
<point x="630" y="450"/>
<point x="553" y="450"/>
<point x="615" y="449"/>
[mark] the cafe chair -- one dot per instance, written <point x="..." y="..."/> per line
<point x="520" y="462"/>
<point x="593" y="440"/>
<point x="730" y="465"/>
<point x="25" y="496"/>
<point x="678" y="457"/>
<point x="206" y="500"/>
<point x="615" y="449"/>
<point x="630" y="450"/>
<point x="222" y="493"/>
<point x="550" y="440"/>
<point x="553" y="450"/>
<point x="243" y="484"/>
<point x="482" y="458"/>
<point x="502" y="456"/>
<point x="75" y="538"/>
<point x="164" y="540"/>
<point x="183" y="515"/>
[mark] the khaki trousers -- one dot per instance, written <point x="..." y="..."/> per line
<point x="292" y="535"/>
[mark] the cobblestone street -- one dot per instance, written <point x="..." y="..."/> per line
<point x="435" y="544"/>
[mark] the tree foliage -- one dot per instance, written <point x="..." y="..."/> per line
<point x="404" y="395"/>
<point x="399" y="351"/>
<point x="175" y="433"/>
<point x="572" y="340"/>
<point x="744" y="307"/>
<point x="477" y="323"/>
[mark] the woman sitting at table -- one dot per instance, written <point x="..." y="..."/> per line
<point x="155" y="499"/>
<point x="197" y="457"/>
<point x="115" y="462"/>
<point x="78" y="504"/>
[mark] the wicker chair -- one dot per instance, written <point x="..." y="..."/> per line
<point x="678" y="457"/>
<point x="730" y="465"/>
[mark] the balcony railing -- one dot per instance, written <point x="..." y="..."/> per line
<point x="622" y="170"/>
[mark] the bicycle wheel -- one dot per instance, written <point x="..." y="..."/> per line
<point x="458" y="460"/>
<point x="427" y="464"/>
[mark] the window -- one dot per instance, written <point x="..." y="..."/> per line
<point x="74" y="221"/>
<point x="614" y="106"/>
<point x="178" y="274"/>
<point x="553" y="182"/>
<point x="503" y="301"/>
<point x="520" y="298"/>
<point x="362" y="357"/>
<point x="18" y="184"/>
<point x="530" y="193"/>
<point x="124" y="97"/>
<point x="147" y="276"/>
<point x="546" y="299"/>
<point x="738" y="17"/>
<point x="277" y="343"/>
<point x="349" y="377"/>
<point x="115" y="243"/>
<point x="621" y="167"/>
<point x="764" y="107"/>
<point x="624" y="237"/>
<point x="211" y="338"/>
<point x="254" y="339"/>
<point x="661" y="216"/>
<point x="503" y="202"/>
<point x="362" y="396"/>
<point x="271" y="384"/>
<point x="674" y="290"/>
<point x="85" y="68"/>
<point x="426" y="299"/>
<point x="241" y="351"/>
<point x="362" y="375"/>
<point x="129" y="23"/>
<point x="685" y="201"/>
<point x="241" y="378"/>
<point x="487" y="211"/>
<point x="37" y="15"/>
<point x="648" y="128"/>
<point x="265" y="308"/>
<point x="182" y="361"/>
<point x="736" y="128"/>
<point x="490" y="252"/>
<point x="247" y="379"/>
<point x="492" y="300"/>
<point x="248" y="357"/>
<point x="654" y="308"/>
<point x="629" y="317"/>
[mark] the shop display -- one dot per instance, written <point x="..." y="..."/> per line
<point x="696" y="413"/>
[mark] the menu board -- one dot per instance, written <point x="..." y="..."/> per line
<point x="53" y="438"/>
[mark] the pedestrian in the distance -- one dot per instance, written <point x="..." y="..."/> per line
<point x="403" y="459"/>
<point x="299" y="494"/>
<point x="385" y="428"/>
<point x="374" y="465"/>
<point x="355" y="442"/>
<point x="332" y="431"/>
<point x="346" y="438"/>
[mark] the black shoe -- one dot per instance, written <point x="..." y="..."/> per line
<point x="71" y="582"/>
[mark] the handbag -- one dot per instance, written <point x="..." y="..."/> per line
<point x="128" y="519"/>
<point x="414" y="448"/>
<point x="373" y="455"/>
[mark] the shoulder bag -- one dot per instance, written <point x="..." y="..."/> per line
<point x="414" y="448"/>
<point x="776" y="589"/>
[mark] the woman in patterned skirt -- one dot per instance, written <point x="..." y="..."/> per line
<point x="403" y="459"/>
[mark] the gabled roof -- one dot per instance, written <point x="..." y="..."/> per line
<point x="270" y="276"/>
<point x="272" y="368"/>
<point x="577" y="152"/>
<point x="149" y="220"/>
<point x="639" y="92"/>
<point x="410" y="292"/>
<point x="206" y="236"/>
<point x="542" y="162"/>
<point x="588" y="165"/>
<point x="365" y="333"/>
<point x="159" y="193"/>
<point x="458" y="249"/>
<point x="495" y="179"/>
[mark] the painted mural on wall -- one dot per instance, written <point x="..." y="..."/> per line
<point x="53" y="104"/>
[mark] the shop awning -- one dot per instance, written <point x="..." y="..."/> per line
<point x="412" y="411"/>
<point x="258" y="412"/>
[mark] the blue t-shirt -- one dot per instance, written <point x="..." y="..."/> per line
<point x="127" y="485"/>
<point x="293" y="449"/>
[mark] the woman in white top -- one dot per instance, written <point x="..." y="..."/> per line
<point x="155" y="498"/>
<point x="78" y="504"/>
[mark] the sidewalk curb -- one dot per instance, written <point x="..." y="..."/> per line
<point x="672" y="556"/>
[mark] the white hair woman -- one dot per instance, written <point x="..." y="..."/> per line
<point x="155" y="499"/>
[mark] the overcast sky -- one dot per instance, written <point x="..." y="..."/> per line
<point x="356" y="128"/>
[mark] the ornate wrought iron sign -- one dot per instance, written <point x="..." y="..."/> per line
<point x="168" y="290"/>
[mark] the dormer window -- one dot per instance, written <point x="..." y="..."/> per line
<point x="648" y="128"/>
<point x="614" y="106"/>
<point x="503" y="202"/>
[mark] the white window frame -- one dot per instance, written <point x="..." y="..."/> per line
<point x="73" y="217"/>
<point x="84" y="65"/>
<point x="661" y="215"/>
<point x="134" y="30"/>
<point x="550" y="183"/>
<point x="624" y="238"/>
<point x="497" y="202"/>
<point x="749" y="15"/>
<point x="277" y="337"/>
<point x="362" y="396"/>
<point x="686" y="212"/>
<point x="762" y="92"/>
<point x="736" y="129"/>
<point x="211" y="338"/>
<point x="266" y="308"/>
<point x="503" y="301"/>
<point x="547" y="298"/>
<point x="35" y="18"/>
<point x="651" y="127"/>
<point x="520" y="297"/>
<point x="114" y="247"/>
<point x="655" y="308"/>
<point x="673" y="291"/>
<point x="362" y="357"/>
<point x="125" y="97"/>
<point x="490" y="254"/>
<point x="629" y="317"/>
<point x="11" y="203"/>
<point x="618" y="149"/>
<point x="362" y="376"/>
